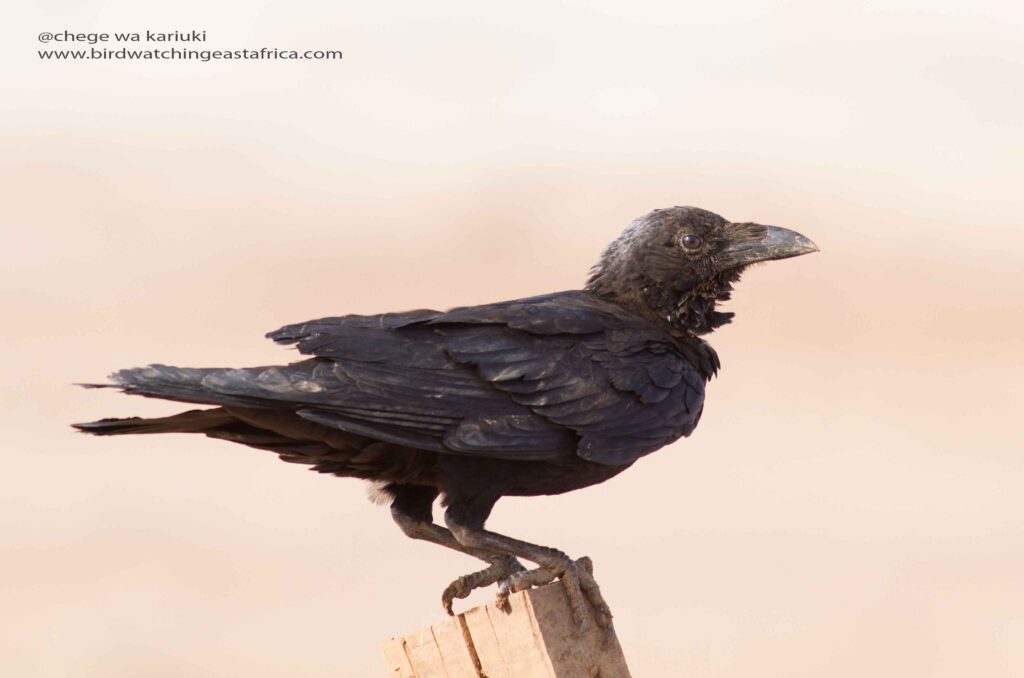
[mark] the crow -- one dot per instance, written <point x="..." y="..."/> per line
<point x="534" y="396"/>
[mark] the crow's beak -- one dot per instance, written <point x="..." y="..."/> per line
<point x="776" y="243"/>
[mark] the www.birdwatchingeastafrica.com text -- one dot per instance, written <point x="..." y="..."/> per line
<point x="159" y="45"/>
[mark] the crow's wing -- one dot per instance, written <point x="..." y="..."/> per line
<point x="532" y="379"/>
<point x="538" y="378"/>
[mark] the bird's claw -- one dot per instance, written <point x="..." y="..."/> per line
<point x="520" y="581"/>
<point x="577" y="577"/>
<point x="461" y="588"/>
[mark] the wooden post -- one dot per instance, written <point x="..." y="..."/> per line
<point x="537" y="639"/>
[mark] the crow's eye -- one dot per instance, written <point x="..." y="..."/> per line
<point x="691" y="242"/>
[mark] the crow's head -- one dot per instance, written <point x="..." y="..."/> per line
<point x="675" y="264"/>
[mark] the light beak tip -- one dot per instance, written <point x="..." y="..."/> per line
<point x="810" y="245"/>
<point x="790" y="243"/>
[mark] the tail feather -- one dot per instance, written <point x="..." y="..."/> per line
<point x="193" y="421"/>
<point x="259" y="389"/>
<point x="292" y="438"/>
<point x="206" y="386"/>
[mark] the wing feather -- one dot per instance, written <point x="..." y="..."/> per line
<point x="536" y="378"/>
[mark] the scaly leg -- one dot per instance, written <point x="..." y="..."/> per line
<point x="466" y="526"/>
<point x="411" y="509"/>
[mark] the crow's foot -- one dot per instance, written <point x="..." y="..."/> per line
<point x="502" y="568"/>
<point x="578" y="578"/>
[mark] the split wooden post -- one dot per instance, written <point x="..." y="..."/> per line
<point x="537" y="639"/>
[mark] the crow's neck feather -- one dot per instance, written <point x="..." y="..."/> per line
<point x="686" y="308"/>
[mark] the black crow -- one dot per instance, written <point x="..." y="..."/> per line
<point x="534" y="396"/>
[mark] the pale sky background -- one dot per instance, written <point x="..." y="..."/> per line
<point x="852" y="501"/>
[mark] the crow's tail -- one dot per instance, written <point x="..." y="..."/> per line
<point x="252" y="407"/>
<point x="185" y="384"/>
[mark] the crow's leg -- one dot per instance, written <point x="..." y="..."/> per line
<point x="466" y="523"/>
<point x="412" y="510"/>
